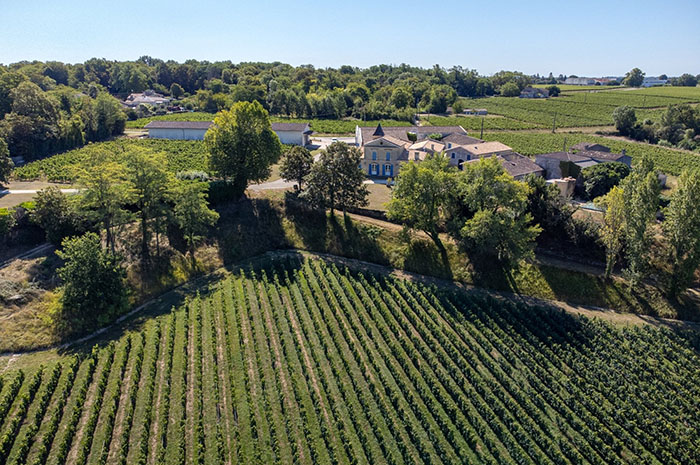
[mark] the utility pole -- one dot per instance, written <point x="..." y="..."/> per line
<point x="564" y="143"/>
<point x="482" y="128"/>
<point x="554" y="123"/>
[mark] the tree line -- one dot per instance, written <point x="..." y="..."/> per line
<point x="679" y="126"/>
<point x="36" y="121"/>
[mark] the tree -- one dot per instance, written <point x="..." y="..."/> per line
<point x="191" y="212"/>
<point x="612" y="231"/>
<point x="641" y="202"/>
<point x="419" y="198"/>
<point x="546" y="205"/>
<point x="176" y="90"/>
<point x="687" y="80"/>
<point x="682" y="231"/>
<point x="296" y="165"/>
<point x="6" y="164"/>
<point x="243" y="145"/>
<point x="510" y="89"/>
<point x="599" y="179"/>
<point x="634" y="78"/>
<point x="489" y="215"/>
<point x="93" y="290"/>
<point x="401" y="97"/>
<point x="438" y="98"/>
<point x="624" y="118"/>
<point x="148" y="174"/>
<point x="554" y="91"/>
<point x="336" y="180"/>
<point x="106" y="192"/>
<point x="55" y="214"/>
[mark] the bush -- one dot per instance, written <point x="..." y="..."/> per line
<point x="599" y="179"/>
<point x="554" y="91"/>
<point x="510" y="89"/>
<point x="221" y="191"/>
<point x="93" y="290"/>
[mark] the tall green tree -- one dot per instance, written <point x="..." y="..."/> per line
<point x="612" y="232"/>
<point x="148" y="173"/>
<point x="6" y="164"/>
<point x="336" y="180"/>
<point x="641" y="201"/>
<point x="634" y="78"/>
<point x="489" y="217"/>
<point x="93" y="290"/>
<point x="106" y="192"/>
<point x="419" y="198"/>
<point x="191" y="212"/>
<point x="56" y="215"/>
<point x="296" y="164"/>
<point x="243" y="145"/>
<point x="624" y="118"/>
<point x="682" y="231"/>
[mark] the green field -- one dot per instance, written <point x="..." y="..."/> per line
<point x="669" y="161"/>
<point x="581" y="109"/>
<point x="182" y="155"/>
<point x="303" y="362"/>
<point x="191" y="116"/>
<point x="574" y="88"/>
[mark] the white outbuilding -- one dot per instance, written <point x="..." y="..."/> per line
<point x="178" y="130"/>
<point x="292" y="133"/>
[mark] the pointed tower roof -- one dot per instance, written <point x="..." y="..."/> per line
<point x="379" y="131"/>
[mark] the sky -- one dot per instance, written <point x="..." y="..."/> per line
<point x="589" y="38"/>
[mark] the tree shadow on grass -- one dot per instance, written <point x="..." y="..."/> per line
<point x="203" y="286"/>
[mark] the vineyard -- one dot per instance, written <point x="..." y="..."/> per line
<point x="578" y="109"/>
<point x="181" y="154"/>
<point x="305" y="362"/>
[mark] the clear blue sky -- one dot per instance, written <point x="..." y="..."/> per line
<point x="587" y="38"/>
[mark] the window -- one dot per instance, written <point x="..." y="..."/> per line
<point x="388" y="170"/>
<point x="449" y="146"/>
<point x="388" y="156"/>
<point x="374" y="155"/>
<point x="453" y="154"/>
<point x="373" y="169"/>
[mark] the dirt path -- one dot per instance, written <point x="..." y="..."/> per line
<point x="223" y="382"/>
<point x="84" y="414"/>
<point x="160" y="385"/>
<point x="115" y="443"/>
<point x="275" y="346"/>
<point x="309" y="365"/>
<point x="189" y="404"/>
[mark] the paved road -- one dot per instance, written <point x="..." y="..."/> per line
<point x="33" y="191"/>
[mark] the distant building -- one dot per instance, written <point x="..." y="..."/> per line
<point x="650" y="81"/>
<point x="178" y="130"/>
<point x="583" y="155"/>
<point x="478" y="111"/>
<point x="534" y="92"/>
<point x="292" y="133"/>
<point x="519" y="166"/>
<point x="579" y="81"/>
<point x="147" y="97"/>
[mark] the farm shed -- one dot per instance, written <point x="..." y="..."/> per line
<point x="292" y="133"/>
<point x="178" y="130"/>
